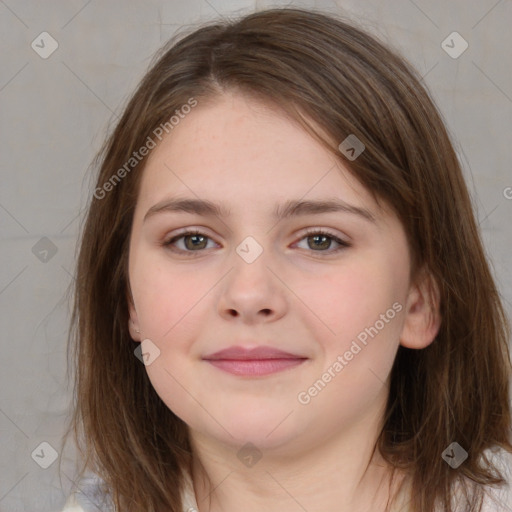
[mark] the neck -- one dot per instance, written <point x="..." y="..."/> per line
<point x="342" y="473"/>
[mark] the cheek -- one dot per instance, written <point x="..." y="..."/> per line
<point x="362" y="305"/>
<point x="167" y="297"/>
<point x="349" y="298"/>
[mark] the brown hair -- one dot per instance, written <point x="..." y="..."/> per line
<point x="319" y="69"/>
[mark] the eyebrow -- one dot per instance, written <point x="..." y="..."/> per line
<point x="291" y="208"/>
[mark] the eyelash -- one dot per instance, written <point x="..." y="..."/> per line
<point x="343" y="245"/>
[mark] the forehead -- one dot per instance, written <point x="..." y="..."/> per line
<point x="236" y="148"/>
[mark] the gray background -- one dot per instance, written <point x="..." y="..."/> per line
<point x="54" y="116"/>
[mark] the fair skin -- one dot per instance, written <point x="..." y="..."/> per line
<point x="299" y="296"/>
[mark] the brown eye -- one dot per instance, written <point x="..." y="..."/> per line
<point x="196" y="241"/>
<point x="318" y="241"/>
<point x="193" y="241"/>
<point x="321" y="241"/>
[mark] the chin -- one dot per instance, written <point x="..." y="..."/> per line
<point x="264" y="431"/>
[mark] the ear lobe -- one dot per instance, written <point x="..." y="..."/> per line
<point x="422" y="315"/>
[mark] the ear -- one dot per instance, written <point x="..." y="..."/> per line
<point x="133" y="321"/>
<point x="422" y="312"/>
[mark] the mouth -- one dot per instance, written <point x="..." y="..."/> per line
<point x="255" y="367"/>
<point x="258" y="361"/>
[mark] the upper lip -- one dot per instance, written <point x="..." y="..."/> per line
<point x="261" y="352"/>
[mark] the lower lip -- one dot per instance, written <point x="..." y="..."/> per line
<point x="254" y="367"/>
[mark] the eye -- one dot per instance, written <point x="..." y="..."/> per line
<point x="194" y="241"/>
<point x="322" y="240"/>
<point x="318" y="240"/>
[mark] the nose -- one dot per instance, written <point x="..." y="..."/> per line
<point x="252" y="293"/>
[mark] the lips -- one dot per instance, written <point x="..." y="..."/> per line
<point x="243" y="354"/>
<point x="254" y="362"/>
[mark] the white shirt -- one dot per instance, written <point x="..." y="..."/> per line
<point x="499" y="499"/>
<point x="89" y="498"/>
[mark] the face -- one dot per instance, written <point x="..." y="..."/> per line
<point x="328" y="288"/>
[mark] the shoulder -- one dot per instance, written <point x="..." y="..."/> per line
<point x="89" y="496"/>
<point x="72" y="505"/>
<point x="495" y="498"/>
<point x="499" y="499"/>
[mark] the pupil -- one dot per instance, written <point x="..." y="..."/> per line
<point x="317" y="237"/>
<point x="196" y="237"/>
